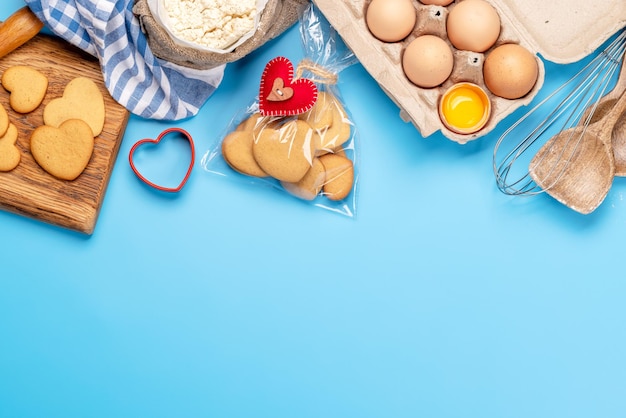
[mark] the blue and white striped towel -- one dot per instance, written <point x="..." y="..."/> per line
<point x="144" y="84"/>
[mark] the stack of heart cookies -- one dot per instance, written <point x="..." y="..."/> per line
<point x="305" y="153"/>
<point x="64" y="143"/>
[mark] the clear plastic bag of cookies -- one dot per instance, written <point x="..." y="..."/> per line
<point x="297" y="135"/>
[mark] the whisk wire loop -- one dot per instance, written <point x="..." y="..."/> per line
<point x="581" y="94"/>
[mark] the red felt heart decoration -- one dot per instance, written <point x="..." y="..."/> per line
<point x="280" y="94"/>
<point x="156" y="141"/>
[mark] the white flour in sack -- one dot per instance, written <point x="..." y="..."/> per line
<point x="215" y="24"/>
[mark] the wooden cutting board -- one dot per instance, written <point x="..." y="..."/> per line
<point x="30" y="191"/>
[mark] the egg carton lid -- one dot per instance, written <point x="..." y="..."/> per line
<point x="564" y="31"/>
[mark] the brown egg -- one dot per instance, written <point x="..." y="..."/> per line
<point x="428" y="61"/>
<point x="510" y="71"/>
<point x="391" y="20"/>
<point x="437" y="2"/>
<point x="473" y="25"/>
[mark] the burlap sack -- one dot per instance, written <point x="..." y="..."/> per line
<point x="277" y="16"/>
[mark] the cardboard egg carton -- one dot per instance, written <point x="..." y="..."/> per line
<point x="561" y="31"/>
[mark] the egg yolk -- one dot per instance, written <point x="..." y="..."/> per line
<point x="463" y="108"/>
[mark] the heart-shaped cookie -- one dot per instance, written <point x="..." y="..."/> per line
<point x="156" y="141"/>
<point x="237" y="152"/>
<point x="280" y="94"/>
<point x="9" y="154"/>
<point x="320" y="116"/>
<point x="27" y="86"/>
<point x="339" y="176"/>
<point x="311" y="184"/>
<point x="65" y="151"/>
<point x="81" y="99"/>
<point x="285" y="153"/>
<point x="335" y="135"/>
<point x="4" y="120"/>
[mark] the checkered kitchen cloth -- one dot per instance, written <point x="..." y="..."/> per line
<point x="144" y="84"/>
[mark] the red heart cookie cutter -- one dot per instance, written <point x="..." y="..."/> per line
<point x="280" y="94"/>
<point x="156" y="141"/>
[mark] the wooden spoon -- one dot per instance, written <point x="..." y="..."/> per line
<point x="618" y="138"/>
<point x="576" y="166"/>
<point x="20" y="27"/>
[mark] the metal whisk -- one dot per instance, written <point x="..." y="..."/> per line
<point x="564" y="108"/>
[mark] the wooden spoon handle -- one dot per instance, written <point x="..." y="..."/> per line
<point x="602" y="107"/>
<point x="607" y="123"/>
<point x="620" y="86"/>
<point x="20" y="27"/>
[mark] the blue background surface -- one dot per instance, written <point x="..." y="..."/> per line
<point x="443" y="298"/>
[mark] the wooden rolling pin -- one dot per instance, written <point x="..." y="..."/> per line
<point x="20" y="27"/>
